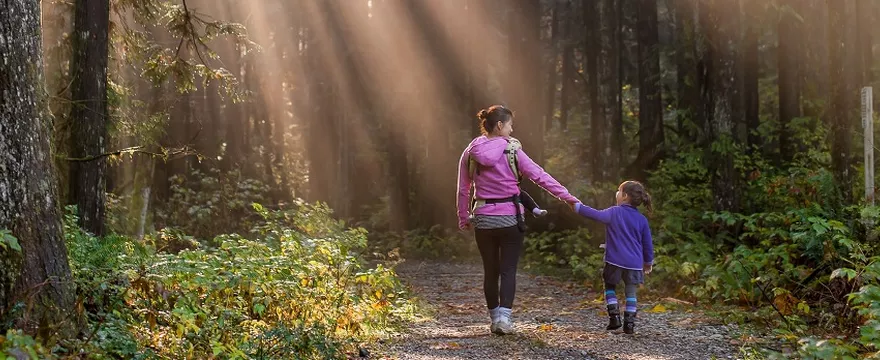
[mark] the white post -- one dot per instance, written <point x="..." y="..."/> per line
<point x="868" y="126"/>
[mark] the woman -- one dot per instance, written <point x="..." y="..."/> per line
<point x="497" y="216"/>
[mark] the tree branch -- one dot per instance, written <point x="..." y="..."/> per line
<point x="185" y="150"/>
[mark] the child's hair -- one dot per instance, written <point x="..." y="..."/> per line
<point x="637" y="194"/>
<point x="490" y="117"/>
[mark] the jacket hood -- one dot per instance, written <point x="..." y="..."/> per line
<point x="488" y="152"/>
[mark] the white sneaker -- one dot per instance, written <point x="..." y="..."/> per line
<point x="504" y="326"/>
<point x="539" y="212"/>
<point x="493" y="315"/>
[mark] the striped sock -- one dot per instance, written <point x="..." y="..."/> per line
<point x="610" y="297"/>
<point x="631" y="304"/>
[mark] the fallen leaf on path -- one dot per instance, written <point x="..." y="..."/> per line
<point x="449" y="345"/>
<point x="659" y="308"/>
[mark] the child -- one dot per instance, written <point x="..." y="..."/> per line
<point x="629" y="251"/>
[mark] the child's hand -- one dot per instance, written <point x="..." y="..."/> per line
<point x="648" y="268"/>
<point x="573" y="205"/>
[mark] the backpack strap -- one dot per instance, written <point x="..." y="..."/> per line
<point x="513" y="145"/>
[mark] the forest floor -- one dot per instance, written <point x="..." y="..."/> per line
<point x="554" y="318"/>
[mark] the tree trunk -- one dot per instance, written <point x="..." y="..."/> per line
<point x="598" y="121"/>
<point x="320" y="141"/>
<point x="750" y="75"/>
<point x="816" y="82"/>
<point x="39" y="275"/>
<point x="614" y="99"/>
<point x="686" y="67"/>
<point x="866" y="11"/>
<point x="233" y="116"/>
<point x="89" y="118"/>
<point x="724" y="106"/>
<point x="568" y="70"/>
<point x="844" y="91"/>
<point x="525" y="81"/>
<point x="650" y="106"/>
<point x="524" y="29"/>
<point x="551" y="66"/>
<point x="788" y="56"/>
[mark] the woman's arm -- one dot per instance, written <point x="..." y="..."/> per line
<point x="463" y="202"/>
<point x="537" y="174"/>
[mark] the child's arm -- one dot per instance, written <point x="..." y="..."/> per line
<point x="603" y="216"/>
<point x="463" y="203"/>
<point x="647" y="247"/>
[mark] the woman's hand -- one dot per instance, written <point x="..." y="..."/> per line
<point x="648" y="268"/>
<point x="573" y="204"/>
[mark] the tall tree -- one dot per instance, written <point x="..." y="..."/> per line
<point x="568" y="65"/>
<point x="89" y="117"/>
<point x="40" y="274"/>
<point x="687" y="89"/>
<point x="816" y="82"/>
<point x="613" y="77"/>
<point x="650" y="106"/>
<point x="232" y="110"/>
<point x="725" y="105"/>
<point x="750" y="74"/>
<point x="593" y="52"/>
<point x="866" y="10"/>
<point x="789" y="56"/>
<point x="552" y="63"/>
<point x="844" y="62"/>
<point x="524" y="81"/>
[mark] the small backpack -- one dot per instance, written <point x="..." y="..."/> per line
<point x="513" y="145"/>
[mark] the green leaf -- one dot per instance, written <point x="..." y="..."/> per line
<point x="849" y="274"/>
<point x="6" y="239"/>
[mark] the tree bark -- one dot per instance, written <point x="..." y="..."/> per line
<point x="686" y="68"/>
<point x="651" y="136"/>
<point x="598" y="120"/>
<point x="844" y="91"/>
<point x="40" y="274"/>
<point x="788" y="57"/>
<point x="89" y="117"/>
<point x="568" y="69"/>
<point x="614" y="100"/>
<point x="725" y="104"/>
<point x="816" y="82"/>
<point x="551" y="66"/>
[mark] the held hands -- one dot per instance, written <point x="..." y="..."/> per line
<point x="572" y="204"/>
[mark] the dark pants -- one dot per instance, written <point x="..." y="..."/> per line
<point x="500" y="249"/>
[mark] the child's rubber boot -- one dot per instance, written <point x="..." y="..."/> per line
<point x="629" y="322"/>
<point x="614" y="317"/>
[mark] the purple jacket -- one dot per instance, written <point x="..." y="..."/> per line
<point x="628" y="242"/>
<point x="495" y="180"/>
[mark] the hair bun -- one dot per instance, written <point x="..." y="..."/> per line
<point x="482" y="114"/>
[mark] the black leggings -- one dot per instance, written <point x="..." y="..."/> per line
<point x="500" y="249"/>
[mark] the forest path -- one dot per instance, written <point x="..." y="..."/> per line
<point x="554" y="318"/>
